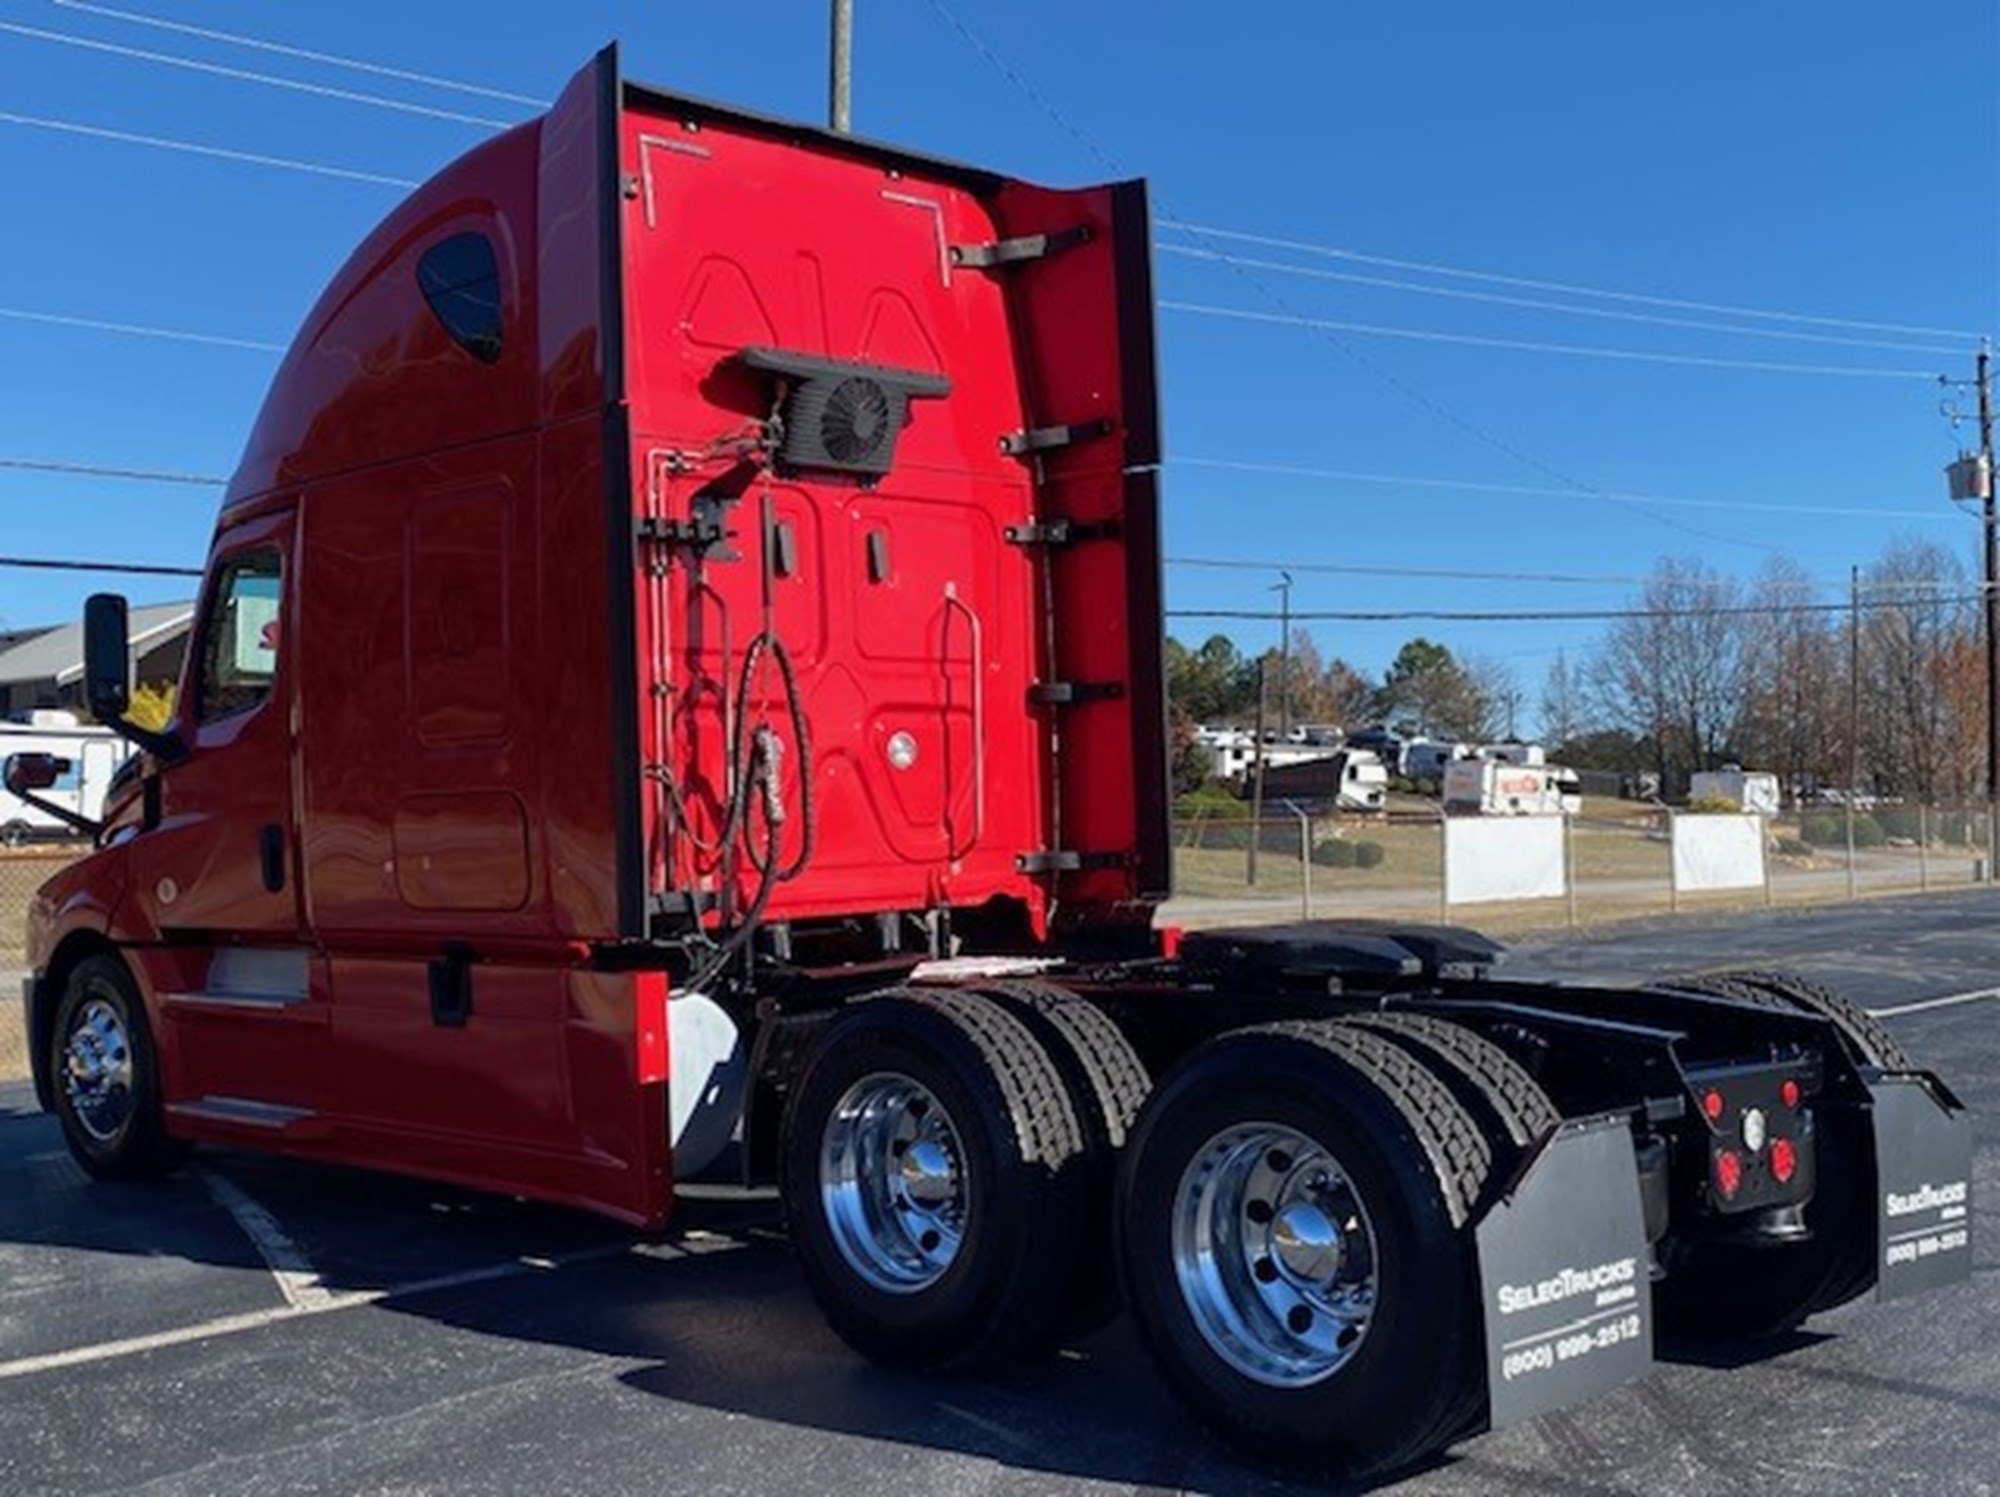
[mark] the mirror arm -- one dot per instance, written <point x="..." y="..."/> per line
<point x="166" y="747"/>
<point x="75" y="821"/>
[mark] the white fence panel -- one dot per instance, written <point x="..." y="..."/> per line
<point x="1503" y="857"/>
<point x="1718" y="852"/>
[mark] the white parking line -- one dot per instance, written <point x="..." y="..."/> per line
<point x="1949" y="1000"/>
<point x="298" y="1281"/>
<point x="327" y="1302"/>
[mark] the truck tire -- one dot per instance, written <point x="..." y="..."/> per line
<point x="1724" y="1291"/>
<point x="104" y="1071"/>
<point x="1108" y="1084"/>
<point x="1489" y="1082"/>
<point x="930" y="1165"/>
<point x="1295" y="1212"/>
<point x="1871" y="1043"/>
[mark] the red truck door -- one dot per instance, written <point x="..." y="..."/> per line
<point x="240" y="998"/>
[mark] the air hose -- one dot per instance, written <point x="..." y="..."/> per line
<point x="757" y="760"/>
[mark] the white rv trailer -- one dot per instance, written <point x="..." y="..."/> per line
<point x="93" y="755"/>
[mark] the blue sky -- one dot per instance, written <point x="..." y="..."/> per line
<point x="1834" y="160"/>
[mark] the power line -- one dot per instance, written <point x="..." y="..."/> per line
<point x="1341" y="569"/>
<point x="1567" y="288"/>
<point x="1401" y="386"/>
<point x="88" y="470"/>
<point x="1342" y="475"/>
<point x="125" y="568"/>
<point x="1286" y="470"/>
<point x="332" y="59"/>
<point x="1449" y="574"/>
<point x="54" y="319"/>
<point x="1539" y="304"/>
<point x="1288" y="319"/>
<point x="1545" y="615"/>
<point x="244" y="75"/>
<point x="161" y="142"/>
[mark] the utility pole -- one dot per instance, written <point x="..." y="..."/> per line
<point x="1257" y="780"/>
<point x="1284" y="591"/>
<point x="840" y="89"/>
<point x="1972" y="478"/>
<point x="1992" y="600"/>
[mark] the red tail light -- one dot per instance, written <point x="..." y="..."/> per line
<point x="1711" y="1105"/>
<point x="1784" y="1159"/>
<point x="1728" y="1173"/>
<point x="1789" y="1093"/>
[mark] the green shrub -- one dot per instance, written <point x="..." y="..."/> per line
<point x="1792" y="847"/>
<point x="1906" y="822"/>
<point x="1337" y="853"/>
<point x="1713" y="805"/>
<point x="1829" y="829"/>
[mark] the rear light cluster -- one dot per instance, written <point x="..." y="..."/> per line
<point x="1771" y="1136"/>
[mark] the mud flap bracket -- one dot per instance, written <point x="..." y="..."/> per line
<point x="1564" y="1274"/>
<point x="1923" y="1169"/>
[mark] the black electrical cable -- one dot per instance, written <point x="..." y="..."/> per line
<point x="746" y="753"/>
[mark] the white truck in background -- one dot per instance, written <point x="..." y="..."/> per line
<point x="1364" y="781"/>
<point x="93" y="756"/>
<point x="1493" y="787"/>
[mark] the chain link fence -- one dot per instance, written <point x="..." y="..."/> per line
<point x="1619" y="860"/>
<point x="22" y="871"/>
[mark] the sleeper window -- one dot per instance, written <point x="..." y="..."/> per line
<point x="461" y="281"/>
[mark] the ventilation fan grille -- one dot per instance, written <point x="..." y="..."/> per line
<point x="840" y="416"/>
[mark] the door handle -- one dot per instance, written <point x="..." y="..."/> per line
<point x="271" y="848"/>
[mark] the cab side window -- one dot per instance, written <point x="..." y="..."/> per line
<point x="460" y="278"/>
<point x="239" y="652"/>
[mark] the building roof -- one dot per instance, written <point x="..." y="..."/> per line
<point x="57" y="655"/>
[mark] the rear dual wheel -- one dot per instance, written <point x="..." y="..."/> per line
<point x="1295" y="1219"/>
<point x="937" y="1173"/>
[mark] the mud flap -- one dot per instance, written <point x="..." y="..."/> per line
<point x="1564" y="1272"/>
<point x="1923" y="1165"/>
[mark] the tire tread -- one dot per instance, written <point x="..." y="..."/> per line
<point x="1515" y="1098"/>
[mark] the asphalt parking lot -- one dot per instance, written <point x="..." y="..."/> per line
<point x="261" y="1326"/>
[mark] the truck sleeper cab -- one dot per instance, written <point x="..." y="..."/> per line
<point x="677" y="686"/>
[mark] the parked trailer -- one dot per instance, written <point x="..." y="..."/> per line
<point x="89" y="756"/>
<point x="685" y="627"/>
<point x="1493" y="787"/>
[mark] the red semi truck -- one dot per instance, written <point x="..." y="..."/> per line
<point x="677" y="688"/>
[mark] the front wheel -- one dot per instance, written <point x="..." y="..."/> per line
<point x="107" y="1078"/>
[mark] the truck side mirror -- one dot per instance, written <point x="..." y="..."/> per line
<point x="107" y="657"/>
<point x="27" y="773"/>
<point x="107" y="675"/>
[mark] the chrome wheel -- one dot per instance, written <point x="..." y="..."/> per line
<point x="97" y="1070"/>
<point x="1274" y="1254"/>
<point x="892" y="1183"/>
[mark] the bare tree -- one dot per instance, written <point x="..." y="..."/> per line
<point x="1914" y="610"/>
<point x="1672" y="671"/>
<point x="1563" y="718"/>
<point x="1794" y="718"/>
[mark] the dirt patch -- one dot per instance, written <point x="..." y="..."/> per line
<point x="13" y="1043"/>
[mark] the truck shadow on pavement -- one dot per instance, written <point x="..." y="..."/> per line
<point x="713" y="1316"/>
